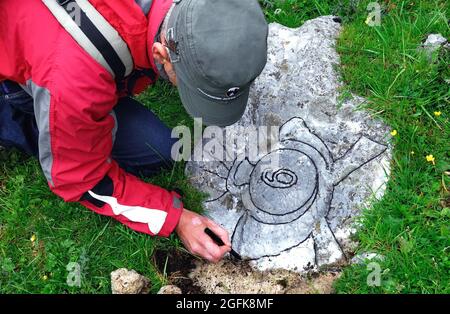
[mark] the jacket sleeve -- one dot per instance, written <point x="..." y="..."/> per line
<point x="76" y="125"/>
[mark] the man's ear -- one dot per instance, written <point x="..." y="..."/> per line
<point x="160" y="53"/>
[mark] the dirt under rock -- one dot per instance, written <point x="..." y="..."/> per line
<point x="177" y="265"/>
<point x="239" y="278"/>
<point x="194" y="276"/>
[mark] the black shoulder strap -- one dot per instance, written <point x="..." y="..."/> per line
<point x="94" y="34"/>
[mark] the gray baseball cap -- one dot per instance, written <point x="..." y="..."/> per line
<point x="218" y="48"/>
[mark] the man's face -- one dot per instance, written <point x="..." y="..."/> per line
<point x="161" y="55"/>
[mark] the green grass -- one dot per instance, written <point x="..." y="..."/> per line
<point x="409" y="226"/>
<point x="71" y="233"/>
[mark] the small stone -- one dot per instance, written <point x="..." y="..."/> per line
<point x="435" y="40"/>
<point x="124" y="281"/>
<point x="433" y="43"/>
<point x="170" y="289"/>
<point x="361" y="258"/>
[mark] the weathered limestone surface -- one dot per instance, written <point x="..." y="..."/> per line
<point x="170" y="289"/>
<point x="433" y="43"/>
<point x="333" y="159"/>
<point x="124" y="281"/>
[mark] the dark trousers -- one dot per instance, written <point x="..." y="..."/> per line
<point x="142" y="144"/>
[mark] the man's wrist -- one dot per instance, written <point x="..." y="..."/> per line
<point x="173" y="216"/>
<point x="177" y="227"/>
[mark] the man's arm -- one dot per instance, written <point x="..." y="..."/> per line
<point x="76" y="132"/>
<point x="74" y="113"/>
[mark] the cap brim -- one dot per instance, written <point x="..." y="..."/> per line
<point x="220" y="113"/>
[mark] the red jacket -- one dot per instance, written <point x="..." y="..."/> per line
<point x="74" y="97"/>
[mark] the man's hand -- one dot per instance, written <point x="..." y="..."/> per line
<point x="191" y="230"/>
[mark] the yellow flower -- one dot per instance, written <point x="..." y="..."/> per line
<point x="33" y="238"/>
<point x="437" y="113"/>
<point x="412" y="152"/>
<point x="394" y="132"/>
<point x="44" y="277"/>
<point x="430" y="158"/>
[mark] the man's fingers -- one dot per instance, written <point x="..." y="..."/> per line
<point x="212" y="248"/>
<point x="210" y="258"/>
<point x="217" y="252"/>
<point x="205" y="251"/>
<point x="221" y="232"/>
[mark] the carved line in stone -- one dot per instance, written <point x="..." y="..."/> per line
<point x="316" y="188"/>
<point x="313" y="133"/>
<point x="217" y="198"/>
<point x="360" y="166"/>
<point x="287" y="184"/>
<point x="269" y="255"/>
<point x="319" y="152"/>
<point x="314" y="193"/>
<point x="237" y="167"/>
<point x="212" y="172"/>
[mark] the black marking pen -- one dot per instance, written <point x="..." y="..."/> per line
<point x="219" y="242"/>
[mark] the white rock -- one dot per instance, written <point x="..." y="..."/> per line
<point x="124" y="281"/>
<point x="435" y="40"/>
<point x="332" y="158"/>
<point x="170" y="289"/>
<point x="433" y="43"/>
<point x="366" y="256"/>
